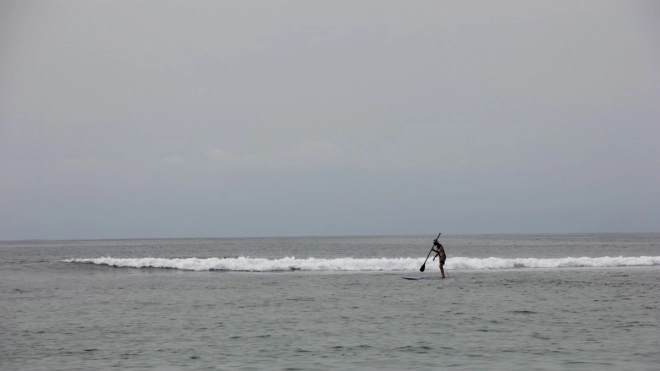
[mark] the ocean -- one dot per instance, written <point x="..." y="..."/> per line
<point x="511" y="302"/>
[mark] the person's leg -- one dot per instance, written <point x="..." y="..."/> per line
<point x="442" y="270"/>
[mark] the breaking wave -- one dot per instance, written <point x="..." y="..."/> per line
<point x="244" y="264"/>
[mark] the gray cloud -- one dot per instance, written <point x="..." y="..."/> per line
<point x="148" y="119"/>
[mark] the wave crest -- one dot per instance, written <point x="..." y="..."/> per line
<point x="245" y="264"/>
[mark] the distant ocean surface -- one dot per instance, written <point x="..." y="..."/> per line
<point x="512" y="302"/>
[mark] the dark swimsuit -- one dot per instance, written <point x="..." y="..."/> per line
<point x="441" y="250"/>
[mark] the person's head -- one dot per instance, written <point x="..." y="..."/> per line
<point x="435" y="242"/>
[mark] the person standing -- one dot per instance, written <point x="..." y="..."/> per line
<point x="439" y="252"/>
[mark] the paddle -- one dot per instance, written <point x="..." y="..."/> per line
<point x="427" y="256"/>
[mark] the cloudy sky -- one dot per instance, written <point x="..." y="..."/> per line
<point x="123" y="119"/>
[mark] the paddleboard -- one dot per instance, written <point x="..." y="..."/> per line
<point x="423" y="278"/>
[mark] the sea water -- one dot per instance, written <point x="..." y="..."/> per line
<point x="512" y="302"/>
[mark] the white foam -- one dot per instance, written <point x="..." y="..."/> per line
<point x="499" y="263"/>
<point x="352" y="264"/>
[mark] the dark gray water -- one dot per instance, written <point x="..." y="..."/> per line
<point x="333" y="311"/>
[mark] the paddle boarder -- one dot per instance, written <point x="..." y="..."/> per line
<point x="439" y="252"/>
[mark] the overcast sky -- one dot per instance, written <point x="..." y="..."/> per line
<point x="123" y="119"/>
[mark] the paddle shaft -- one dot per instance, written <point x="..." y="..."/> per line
<point x="427" y="256"/>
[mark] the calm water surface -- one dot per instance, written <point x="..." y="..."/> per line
<point x="58" y="315"/>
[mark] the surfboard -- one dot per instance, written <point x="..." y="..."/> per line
<point x="423" y="278"/>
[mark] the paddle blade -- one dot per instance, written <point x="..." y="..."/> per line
<point x="423" y="267"/>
